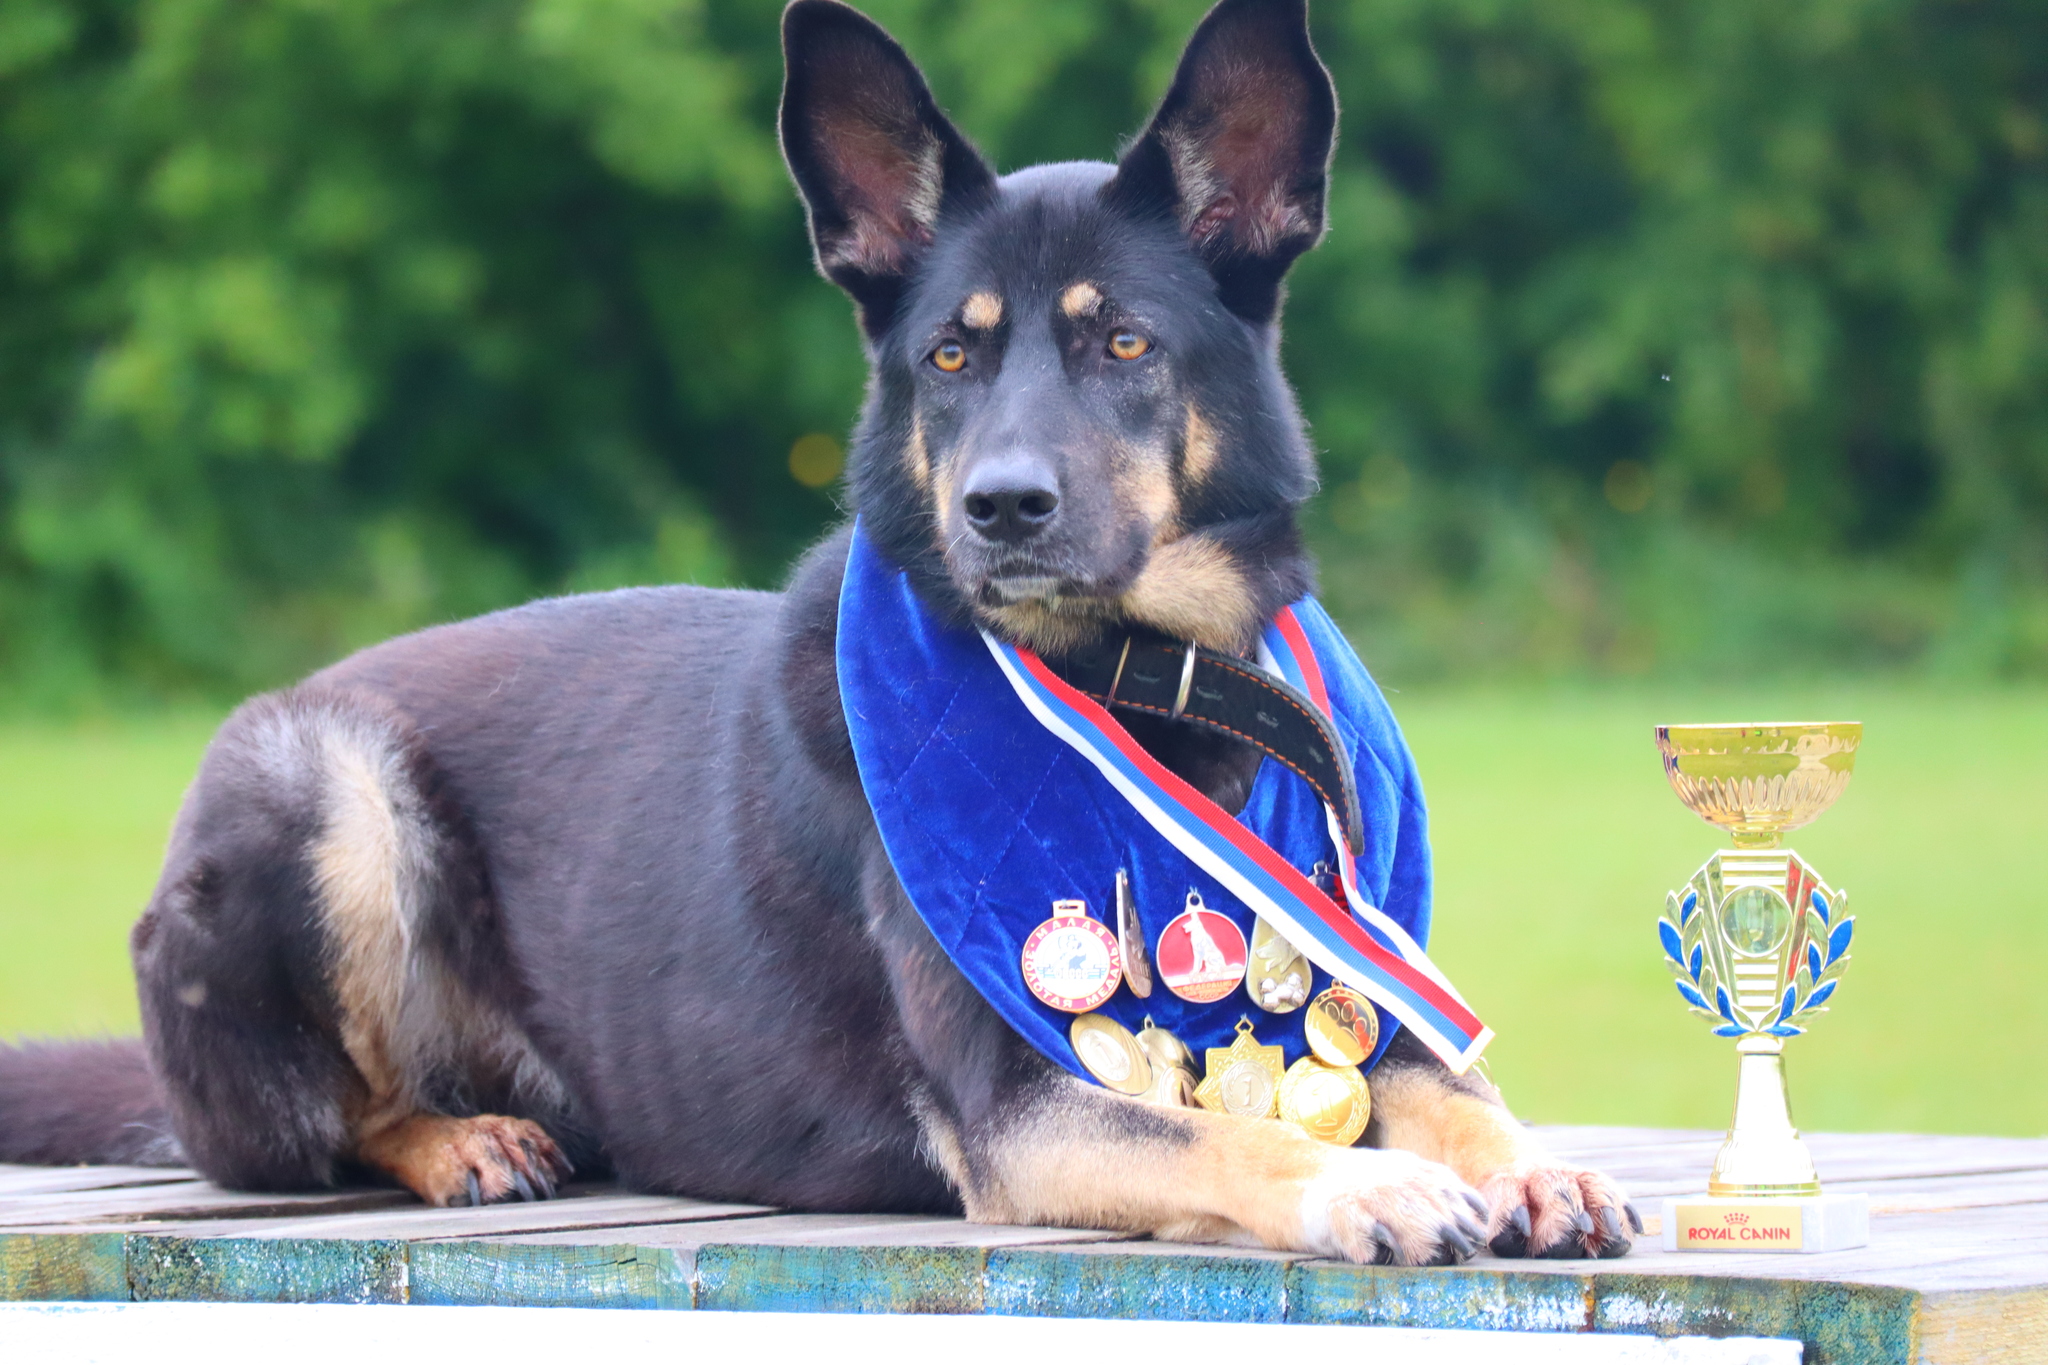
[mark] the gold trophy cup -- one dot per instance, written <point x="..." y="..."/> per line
<point x="1758" y="944"/>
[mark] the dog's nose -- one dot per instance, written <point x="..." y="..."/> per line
<point x="1010" y="498"/>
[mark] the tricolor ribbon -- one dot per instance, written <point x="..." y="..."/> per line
<point x="1359" y="945"/>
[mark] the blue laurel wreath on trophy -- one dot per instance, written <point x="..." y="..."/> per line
<point x="1821" y="946"/>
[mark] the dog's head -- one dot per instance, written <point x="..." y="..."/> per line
<point x="1076" y="416"/>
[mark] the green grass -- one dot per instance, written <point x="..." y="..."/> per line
<point x="1556" y="840"/>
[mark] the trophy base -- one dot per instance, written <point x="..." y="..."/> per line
<point x="1820" y="1222"/>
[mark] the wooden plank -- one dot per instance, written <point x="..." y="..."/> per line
<point x="59" y="1179"/>
<point x="1985" y="1327"/>
<point x="185" y="1199"/>
<point x="559" y="1276"/>
<point x="829" y="1229"/>
<point x="780" y="1278"/>
<point x="1841" y="1324"/>
<point x="1482" y="1296"/>
<point x="224" y="1270"/>
<point x="591" y="1211"/>
<point x="1139" y="1280"/>
<point x="64" y="1267"/>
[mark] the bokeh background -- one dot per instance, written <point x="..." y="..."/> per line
<point x="1666" y="357"/>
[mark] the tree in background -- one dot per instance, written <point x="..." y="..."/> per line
<point x="1650" y="333"/>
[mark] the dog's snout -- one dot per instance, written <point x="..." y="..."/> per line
<point x="1010" y="498"/>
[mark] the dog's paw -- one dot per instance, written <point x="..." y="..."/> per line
<point x="1545" y="1208"/>
<point x="1386" y="1207"/>
<point x="456" y="1163"/>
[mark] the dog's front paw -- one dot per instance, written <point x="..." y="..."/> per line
<point x="1391" y="1208"/>
<point x="1550" y="1209"/>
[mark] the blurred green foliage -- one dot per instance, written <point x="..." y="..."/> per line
<point x="1650" y="334"/>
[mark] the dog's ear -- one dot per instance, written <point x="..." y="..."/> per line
<point x="876" y="161"/>
<point x="1239" y="151"/>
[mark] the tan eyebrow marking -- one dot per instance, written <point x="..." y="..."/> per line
<point x="1080" y="300"/>
<point x="982" y="311"/>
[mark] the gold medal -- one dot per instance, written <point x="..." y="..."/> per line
<point x="1244" y="1078"/>
<point x="1173" y="1068"/>
<point x="1329" y="1103"/>
<point x="1342" y="1027"/>
<point x="1130" y="934"/>
<point x="1111" y="1055"/>
<point x="1279" y="976"/>
<point x="1071" y="961"/>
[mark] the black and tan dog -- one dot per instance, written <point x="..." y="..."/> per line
<point x="593" y="880"/>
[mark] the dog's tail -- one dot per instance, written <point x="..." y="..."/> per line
<point x="63" y="1104"/>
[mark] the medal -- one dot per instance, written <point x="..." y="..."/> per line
<point x="1279" y="976"/>
<point x="1173" y="1068"/>
<point x="1244" y="1078"/>
<point x="1111" y="1055"/>
<point x="1071" y="961"/>
<point x="1130" y="935"/>
<point x="1201" y="954"/>
<point x="1329" y="1103"/>
<point x="1342" y="1027"/>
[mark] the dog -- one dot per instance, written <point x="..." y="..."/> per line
<point x="591" y="883"/>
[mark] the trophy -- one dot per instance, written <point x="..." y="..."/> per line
<point x="1759" y="944"/>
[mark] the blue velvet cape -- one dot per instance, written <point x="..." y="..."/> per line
<point x="988" y="817"/>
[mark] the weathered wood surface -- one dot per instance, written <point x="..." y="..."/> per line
<point x="1957" y="1269"/>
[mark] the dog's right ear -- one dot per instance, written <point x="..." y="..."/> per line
<point x="1239" y="151"/>
<point x="876" y="161"/>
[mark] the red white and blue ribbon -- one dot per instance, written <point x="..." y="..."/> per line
<point x="1355" y="943"/>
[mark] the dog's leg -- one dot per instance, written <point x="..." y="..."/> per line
<point x="293" y="1004"/>
<point x="1025" y="1142"/>
<point x="1540" y="1206"/>
<point x="1075" y="1155"/>
<point x="382" y="866"/>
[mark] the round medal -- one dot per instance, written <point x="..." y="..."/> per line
<point x="1330" y="1103"/>
<point x="1110" y="1053"/>
<point x="1342" y="1027"/>
<point x="1201" y="955"/>
<point x="1071" y="961"/>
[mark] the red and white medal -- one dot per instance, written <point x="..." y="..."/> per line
<point x="1201" y="955"/>
<point x="1071" y="961"/>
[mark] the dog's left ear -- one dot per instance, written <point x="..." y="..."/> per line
<point x="1239" y="151"/>
<point x="877" y="163"/>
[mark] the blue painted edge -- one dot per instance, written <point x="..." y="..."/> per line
<point x="1837" y="1321"/>
<point x="1036" y="1282"/>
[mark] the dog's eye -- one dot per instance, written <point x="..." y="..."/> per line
<point x="1128" y="345"/>
<point x="950" y="357"/>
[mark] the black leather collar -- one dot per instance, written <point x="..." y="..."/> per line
<point x="1181" y="681"/>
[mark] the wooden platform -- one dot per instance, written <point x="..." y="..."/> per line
<point x="1957" y="1269"/>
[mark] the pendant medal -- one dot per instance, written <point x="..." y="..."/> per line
<point x="1279" y="975"/>
<point x="1201" y="954"/>
<point x="1110" y="1053"/>
<point x="1342" y="1027"/>
<point x="1071" y="961"/>
<point x="1244" y="1078"/>
<point x="1174" y="1077"/>
<point x="1329" y="1103"/>
<point x="1130" y="934"/>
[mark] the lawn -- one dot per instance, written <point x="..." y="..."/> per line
<point x="1556" y="839"/>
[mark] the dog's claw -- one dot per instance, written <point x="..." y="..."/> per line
<point x="524" y="1186"/>
<point x="1513" y="1238"/>
<point x="1635" y="1220"/>
<point x="476" y="1192"/>
<point x="1478" y="1204"/>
